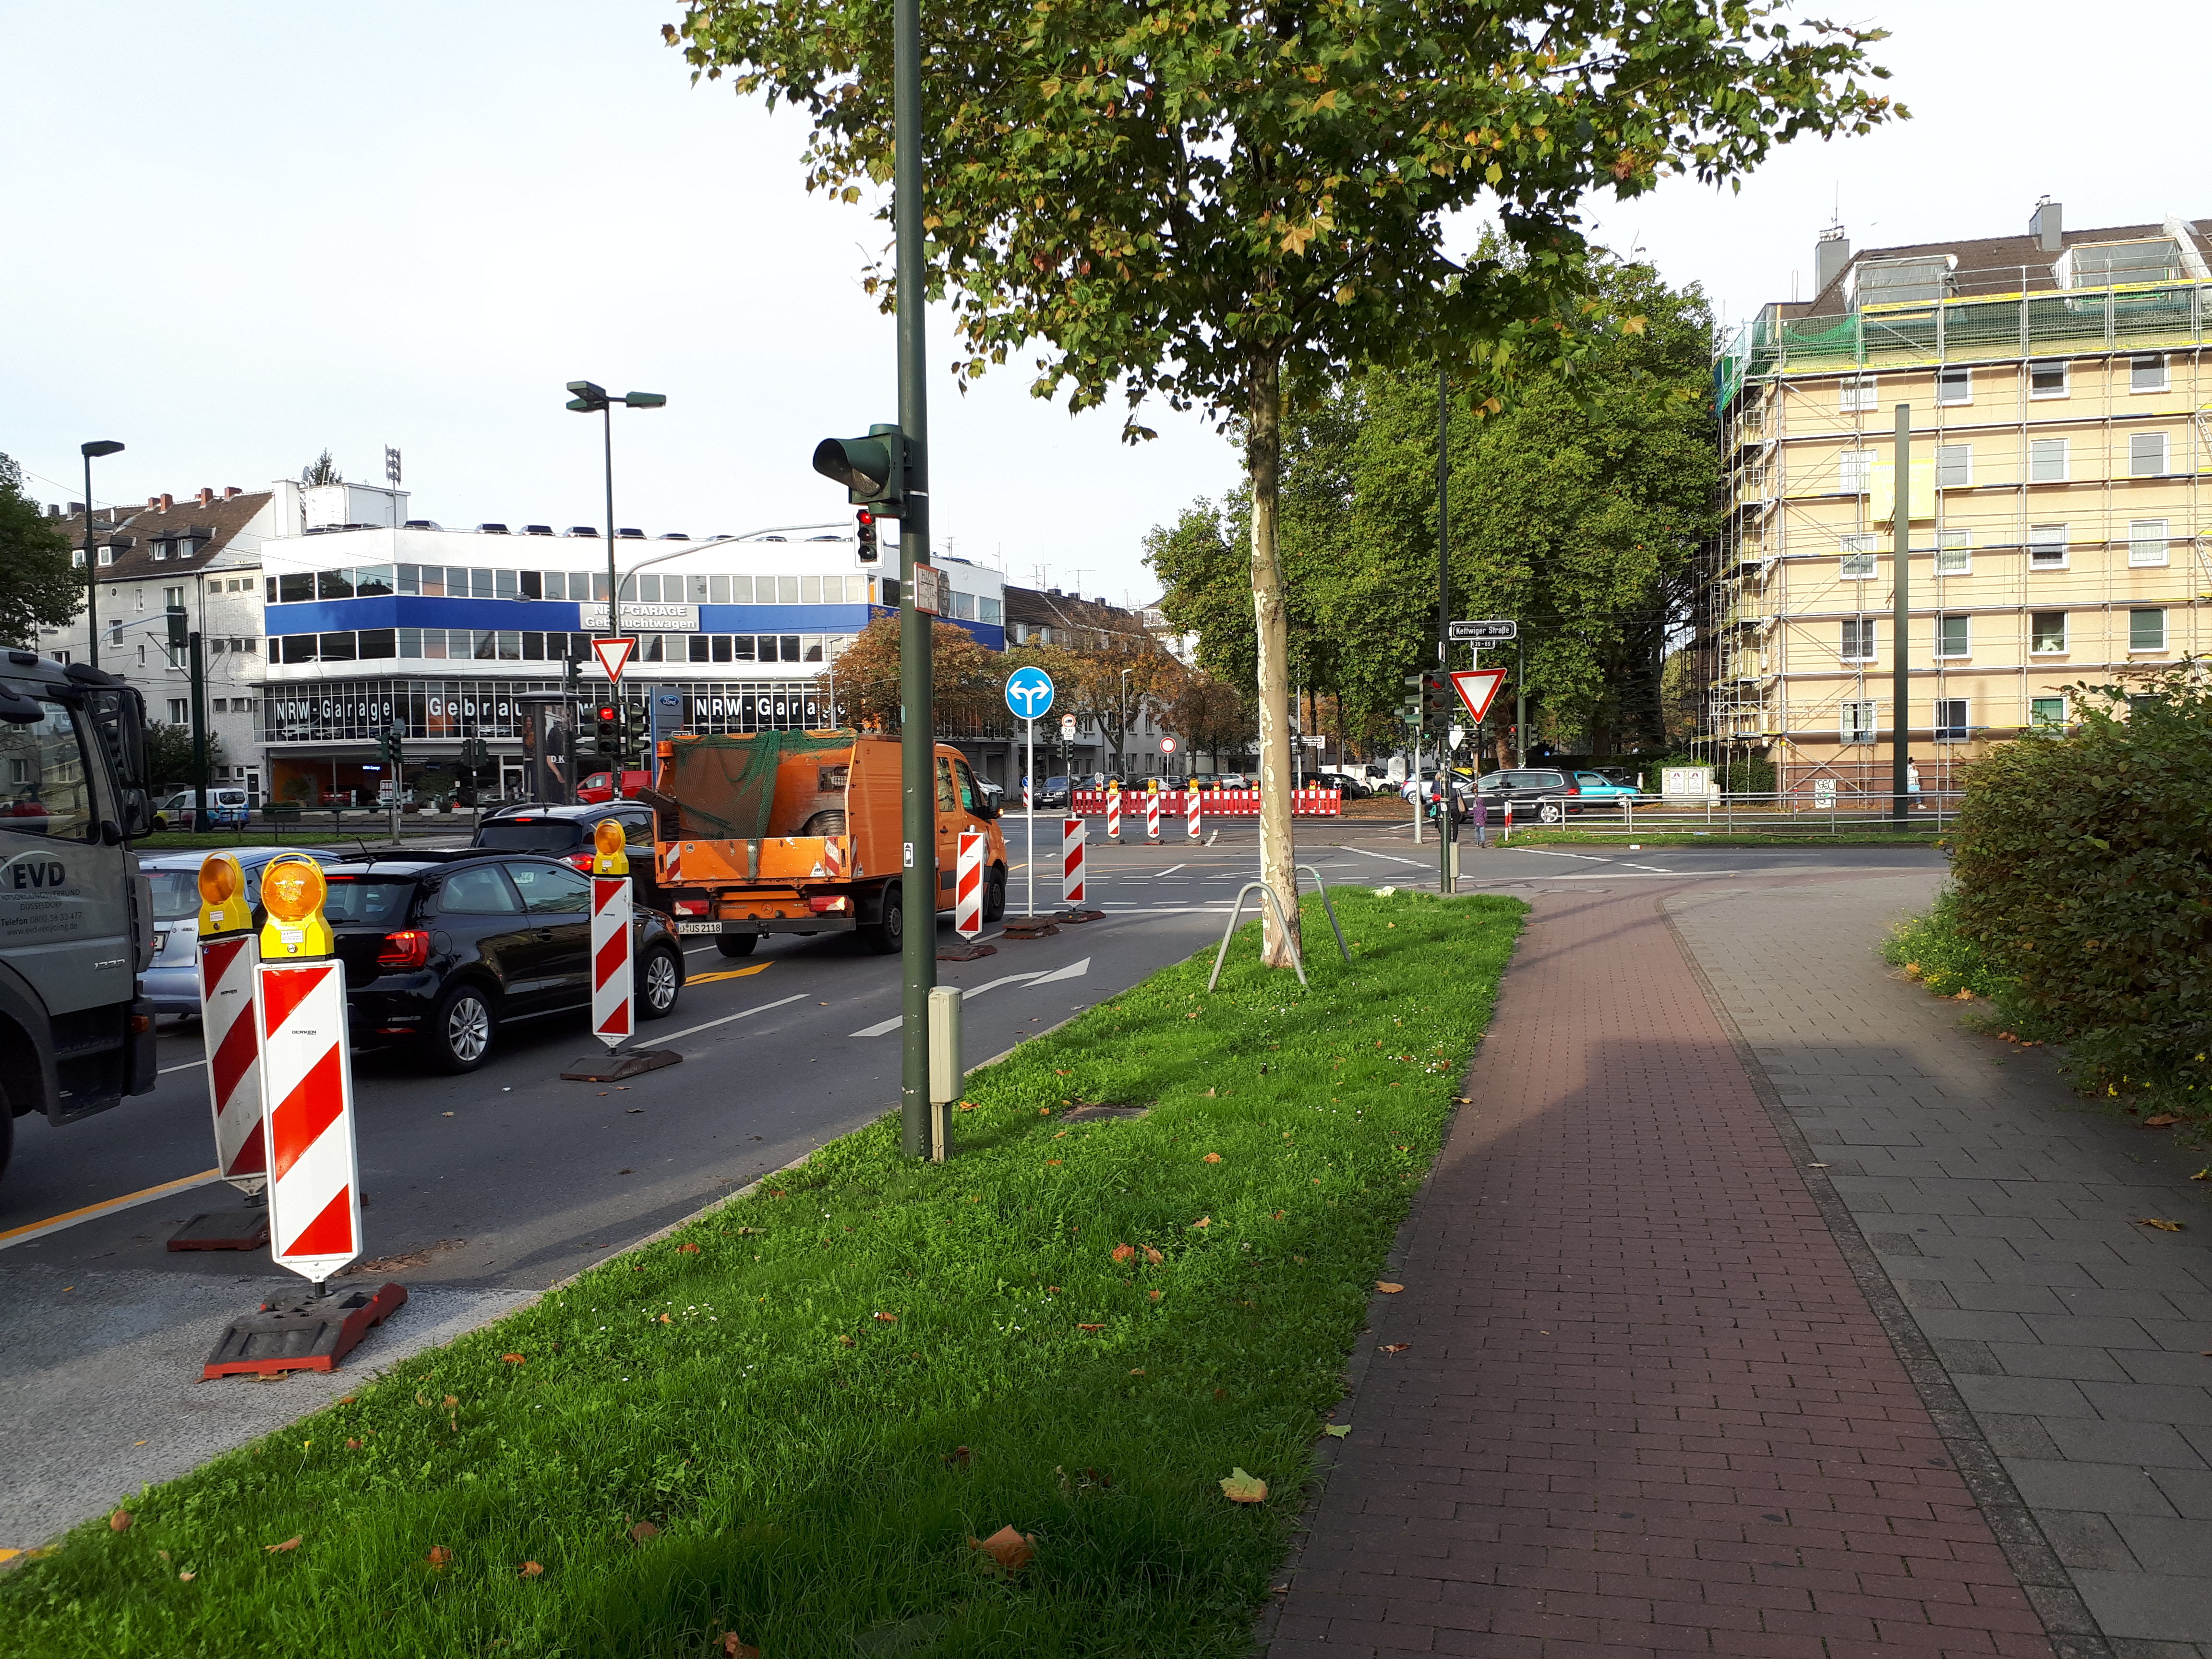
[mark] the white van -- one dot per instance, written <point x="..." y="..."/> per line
<point x="226" y="805"/>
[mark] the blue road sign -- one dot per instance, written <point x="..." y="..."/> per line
<point x="1029" y="693"/>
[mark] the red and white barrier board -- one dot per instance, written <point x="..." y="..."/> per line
<point x="1195" y="812"/>
<point x="1113" y="815"/>
<point x="314" y="1191"/>
<point x="1071" y="861"/>
<point x="968" y="885"/>
<point x="612" y="979"/>
<point x="1152" y="817"/>
<point x="233" y="1036"/>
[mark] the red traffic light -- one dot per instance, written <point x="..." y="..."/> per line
<point x="865" y="532"/>
<point x="604" y="711"/>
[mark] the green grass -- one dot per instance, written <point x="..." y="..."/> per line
<point x="1932" y="954"/>
<point x="737" y="1387"/>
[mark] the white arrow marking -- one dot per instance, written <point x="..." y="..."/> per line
<point x="1073" y="970"/>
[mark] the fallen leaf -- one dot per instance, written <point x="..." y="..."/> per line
<point x="451" y="1401"/>
<point x="888" y="1318"/>
<point x="1051" y="1290"/>
<point x="2163" y="1120"/>
<point x="1203" y="1221"/>
<point x="530" y="1570"/>
<point x="734" y="1649"/>
<point x="665" y="1320"/>
<point x="1155" y="1295"/>
<point x="967" y="1105"/>
<point x="1090" y="1328"/>
<point x="1387" y="1287"/>
<point x="1059" y="1073"/>
<point x="1337" y="1431"/>
<point x="1396" y="1348"/>
<point x="511" y="1359"/>
<point x="2160" y="1223"/>
<point x="2204" y="1174"/>
<point x="186" y="1577"/>
<point x="278" y="1549"/>
<point x="1052" y="1160"/>
<point x="958" y="1457"/>
<point x="1010" y="1550"/>
<point x="643" y="1531"/>
<point x="1212" y="1157"/>
<point x="687" y="1249"/>
<point x="845" y="1342"/>
<point x="1153" y="1255"/>
<point x="440" y="1556"/>
<point x="119" y="1521"/>
<point x="1241" y="1488"/>
<point x="1139" y="1372"/>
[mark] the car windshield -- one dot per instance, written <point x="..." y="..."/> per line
<point x="531" y="834"/>
<point x="367" y="901"/>
<point x="176" y="893"/>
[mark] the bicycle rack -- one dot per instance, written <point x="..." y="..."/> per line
<point x="1327" y="909"/>
<point x="1236" y="915"/>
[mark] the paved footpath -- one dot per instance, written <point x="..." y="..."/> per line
<point x="1644" y="1406"/>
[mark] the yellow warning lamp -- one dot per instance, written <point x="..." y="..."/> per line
<point x="223" y="909"/>
<point x="292" y="891"/>
<point x="609" y="857"/>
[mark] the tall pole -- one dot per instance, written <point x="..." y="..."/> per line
<point x="1901" y="618"/>
<point x="1446" y="829"/>
<point x="199" y="729"/>
<point x="917" y="724"/>
<point x="614" y="592"/>
<point x="91" y="569"/>
<point x="1520" y="700"/>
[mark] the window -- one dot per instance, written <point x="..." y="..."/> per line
<point x="2046" y="631"/>
<point x="987" y="610"/>
<point x="1954" y="466"/>
<point x="1853" y="468"/>
<point x="1858" y="391"/>
<point x="1954" y="552"/>
<point x="333" y="584"/>
<point x="1954" y="386"/>
<point x="2046" y="713"/>
<point x="551" y="888"/>
<point x="2146" y="455"/>
<point x="108" y="555"/>
<point x="2147" y="541"/>
<point x="335" y="647"/>
<point x="1858" y="722"/>
<point x="181" y="710"/>
<point x="1951" y="635"/>
<point x="379" y="642"/>
<point x="2047" y="379"/>
<point x="964" y="605"/>
<point x="76" y="558"/>
<point x="483" y="584"/>
<point x="44" y="788"/>
<point x="1950" y="719"/>
<point x="2146" y="630"/>
<point x="1858" y="639"/>
<point x="479" y="891"/>
<point x="1858" y="557"/>
<point x="2046" y="460"/>
<point x="2147" y="373"/>
<point x="298" y="589"/>
<point x="2047" y="547"/>
<point x="373" y="582"/>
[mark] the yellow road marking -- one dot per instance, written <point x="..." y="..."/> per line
<point x="69" y="1218"/>
<point x="729" y="973"/>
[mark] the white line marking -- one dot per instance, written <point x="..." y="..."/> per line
<point x="1592" y="858"/>
<point x="1419" y="864"/>
<point x="1073" y="970"/>
<point x="1171" y="870"/>
<point x="745" y="1013"/>
<point x="881" y="1026"/>
<point x="199" y="1065"/>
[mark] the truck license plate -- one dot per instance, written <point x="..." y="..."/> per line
<point x="698" y="926"/>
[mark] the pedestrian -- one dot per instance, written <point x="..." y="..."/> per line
<point x="1480" y="813"/>
<point x="1912" y="784"/>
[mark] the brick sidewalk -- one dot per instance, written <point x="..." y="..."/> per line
<point x="1643" y="1408"/>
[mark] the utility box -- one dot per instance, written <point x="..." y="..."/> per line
<point x="1685" y="782"/>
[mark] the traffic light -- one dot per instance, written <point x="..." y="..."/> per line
<point x="1436" y="695"/>
<point x="869" y="552"/>
<point x="390" y="744"/>
<point x="176" y="619"/>
<point x="872" y="469"/>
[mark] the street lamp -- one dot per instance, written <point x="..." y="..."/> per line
<point x="592" y="398"/>
<point x="97" y="447"/>
<point x="1122" y="758"/>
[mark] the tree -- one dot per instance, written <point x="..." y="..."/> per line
<point x="169" y="754"/>
<point x="38" y="586"/>
<point x="1087" y="681"/>
<point x="967" y="682"/>
<point x="321" y="471"/>
<point x="1190" y="201"/>
<point x="1211" y="716"/>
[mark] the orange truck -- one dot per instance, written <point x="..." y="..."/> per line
<point x="798" y="832"/>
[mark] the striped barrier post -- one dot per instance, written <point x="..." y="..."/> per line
<point x="1027" y="805"/>
<point x="612" y="977"/>
<point x="1071" y="861"/>
<point x="1113" y="815"/>
<point x="1195" y="812"/>
<point x="968" y="885"/>
<point x="314" y="1188"/>
<point x="230" y="1029"/>
<point x="1152" y="817"/>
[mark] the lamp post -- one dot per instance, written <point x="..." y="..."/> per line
<point x="97" y="447"/>
<point x="1121" y="742"/>
<point x="591" y="399"/>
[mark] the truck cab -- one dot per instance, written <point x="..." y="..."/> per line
<point x="75" y="914"/>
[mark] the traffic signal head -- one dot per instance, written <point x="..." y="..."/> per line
<point x="176" y="620"/>
<point x="872" y="469"/>
<point x="1436" y="695"/>
<point x="870" y="553"/>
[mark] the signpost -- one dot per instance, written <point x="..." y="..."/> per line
<point x="1496" y="630"/>
<point x="1029" y="700"/>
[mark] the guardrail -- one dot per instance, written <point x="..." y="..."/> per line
<point x="1798" y="812"/>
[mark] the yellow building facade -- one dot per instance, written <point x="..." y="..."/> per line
<point x="2061" y="452"/>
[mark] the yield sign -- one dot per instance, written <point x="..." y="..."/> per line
<point x="614" y="656"/>
<point x="1476" y="687"/>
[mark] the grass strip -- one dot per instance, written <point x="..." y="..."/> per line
<point x="781" y="1427"/>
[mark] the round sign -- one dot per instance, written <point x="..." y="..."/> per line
<point x="1067" y="725"/>
<point x="1167" y="745"/>
<point x="1028" y="694"/>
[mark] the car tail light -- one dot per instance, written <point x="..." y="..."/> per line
<point x="1573" y="788"/>
<point x="582" y="861"/>
<point x="691" y="907"/>
<point x="823" y="906"/>
<point x="408" y="948"/>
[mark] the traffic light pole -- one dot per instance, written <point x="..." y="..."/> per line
<point x="1900" y="626"/>
<point x="917" y="715"/>
<point x="199" y="732"/>
<point x="1446" y="829"/>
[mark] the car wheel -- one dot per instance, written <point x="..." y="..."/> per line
<point x="660" y="983"/>
<point x="736" y="945"/>
<point x="461" y="1031"/>
<point x="994" y="894"/>
<point x="887" y="936"/>
<point x="1551" y="812"/>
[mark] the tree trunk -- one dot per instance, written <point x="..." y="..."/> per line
<point x="1262" y="460"/>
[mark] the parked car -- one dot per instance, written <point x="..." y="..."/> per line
<point x="1603" y="786"/>
<point x="566" y="833"/>
<point x="446" y="950"/>
<point x="600" y="786"/>
<point x="226" y="806"/>
<point x="172" y="984"/>
<point x="1352" y="788"/>
<point x="1425" y="789"/>
<point x="1549" y="794"/>
<point x="1052" y="791"/>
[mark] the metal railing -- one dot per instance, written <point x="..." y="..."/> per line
<point x="1804" y="812"/>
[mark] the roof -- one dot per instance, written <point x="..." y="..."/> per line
<point x="1992" y="265"/>
<point x="1049" y="607"/>
<point x="138" y="533"/>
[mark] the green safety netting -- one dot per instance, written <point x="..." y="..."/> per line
<point x="723" y="789"/>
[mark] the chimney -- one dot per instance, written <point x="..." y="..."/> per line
<point x="2045" y="225"/>
<point x="167" y="501"/>
<point x="232" y="492"/>
<point x="1830" y="255"/>
<point x="76" y="507"/>
<point x="206" y="497"/>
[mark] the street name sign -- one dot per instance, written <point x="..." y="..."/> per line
<point x="1494" y="631"/>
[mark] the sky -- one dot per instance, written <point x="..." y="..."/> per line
<point x="257" y="230"/>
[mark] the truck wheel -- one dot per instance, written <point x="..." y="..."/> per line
<point x="659" y="981"/>
<point x="887" y="936"/>
<point x="994" y="894"/>
<point x="736" y="945"/>
<point x="459" y="1035"/>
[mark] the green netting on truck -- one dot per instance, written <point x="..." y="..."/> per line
<point x="723" y="789"/>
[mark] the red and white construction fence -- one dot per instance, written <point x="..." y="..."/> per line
<point x="1219" y="803"/>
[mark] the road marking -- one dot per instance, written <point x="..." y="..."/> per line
<point x="107" y="1206"/>
<point x="744" y="1013"/>
<point x="1592" y="858"/>
<point x="730" y="973"/>
<point x="1419" y="864"/>
<point x="1073" y="970"/>
<point x="189" y="1066"/>
<point x="1171" y="869"/>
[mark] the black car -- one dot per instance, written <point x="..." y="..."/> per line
<point x="444" y="948"/>
<point x="566" y="832"/>
<point x="1546" y="793"/>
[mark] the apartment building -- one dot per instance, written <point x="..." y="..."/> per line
<point x="2061" y="444"/>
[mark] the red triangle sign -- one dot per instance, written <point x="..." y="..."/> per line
<point x="1476" y="687"/>
<point x="614" y="656"/>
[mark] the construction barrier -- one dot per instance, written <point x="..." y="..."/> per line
<point x="1222" y="803"/>
<point x="1113" y="815"/>
<point x="1196" y="812"/>
<point x="314" y="1188"/>
<point x="968" y="885"/>
<point x="1152" y="817"/>
<point x="1070" y="861"/>
<point x="230" y="959"/>
<point x="612" y="977"/>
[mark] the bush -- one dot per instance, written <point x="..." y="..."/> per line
<point x="2082" y="875"/>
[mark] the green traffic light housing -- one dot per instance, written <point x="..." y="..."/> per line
<point x="872" y="469"/>
<point x="176" y="619"/>
<point x="645" y="399"/>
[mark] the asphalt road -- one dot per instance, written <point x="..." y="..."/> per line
<point x="481" y="1190"/>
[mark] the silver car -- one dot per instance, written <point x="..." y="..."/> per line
<point x="173" y="983"/>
